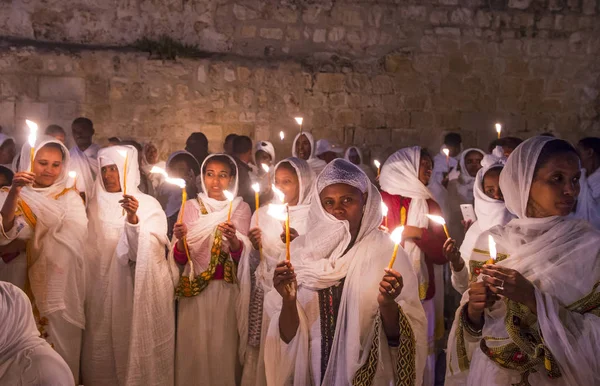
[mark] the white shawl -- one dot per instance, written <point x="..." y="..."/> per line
<point x="400" y="176"/>
<point x="56" y="266"/>
<point x="130" y="290"/>
<point x="85" y="163"/>
<point x="561" y="258"/>
<point x="364" y="167"/>
<point x="319" y="262"/>
<point x="314" y="162"/>
<point x="465" y="182"/>
<point x="588" y="202"/>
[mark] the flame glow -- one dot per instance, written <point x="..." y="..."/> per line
<point x="277" y="211"/>
<point x="492" y="246"/>
<point x="384" y="209"/>
<point x="299" y="120"/>
<point x="33" y="128"/>
<point x="446" y="151"/>
<point x="123" y="153"/>
<point x="175" y="181"/>
<point x="438" y="219"/>
<point x="396" y="235"/>
<point x="281" y="135"/>
<point x="72" y="174"/>
<point x="228" y="195"/>
<point x="265" y="167"/>
<point x="256" y="187"/>
<point x="377" y="164"/>
<point x="278" y="193"/>
<point x="498" y="127"/>
<point x="157" y="170"/>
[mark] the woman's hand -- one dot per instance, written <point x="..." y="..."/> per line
<point x="510" y="284"/>
<point x="180" y="231"/>
<point x="480" y="298"/>
<point x="452" y="254"/>
<point x="390" y="288"/>
<point x="131" y="205"/>
<point x="228" y="230"/>
<point x="293" y="235"/>
<point x="284" y="281"/>
<point x="255" y="236"/>
<point x="22" y="179"/>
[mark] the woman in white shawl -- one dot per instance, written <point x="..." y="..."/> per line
<point x="150" y="159"/>
<point x="8" y="150"/>
<point x="588" y="202"/>
<point x="294" y="178"/>
<point x="213" y="300"/>
<point x="532" y="318"/>
<point x="460" y="191"/>
<point x="46" y="224"/>
<point x="304" y="148"/>
<point x="354" y="155"/>
<point x="490" y="210"/>
<point x="130" y="334"/>
<point x="337" y="315"/>
<point x="25" y="358"/>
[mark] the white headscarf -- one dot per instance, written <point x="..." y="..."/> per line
<point x="364" y="167"/>
<point x="85" y="163"/>
<point x="400" y="176"/>
<point x="561" y="258"/>
<point x="265" y="146"/>
<point x="490" y="212"/>
<point x="169" y="195"/>
<point x="147" y="166"/>
<point x="314" y="162"/>
<point x="320" y="262"/>
<point x="59" y="237"/>
<point x="130" y="307"/>
<point x="465" y="181"/>
<point x="588" y="202"/>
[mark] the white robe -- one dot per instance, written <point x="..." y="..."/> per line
<point x="130" y="339"/>
<point x="85" y="164"/>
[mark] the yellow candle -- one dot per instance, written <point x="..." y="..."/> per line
<point x="287" y="234"/>
<point x="183" y="200"/>
<point x="33" y="128"/>
<point x="493" y="253"/>
<point x="498" y="129"/>
<point x="230" y="197"/>
<point x="378" y="166"/>
<point x="32" y="156"/>
<point x="396" y="237"/>
<point x="440" y="220"/>
<point x="447" y="153"/>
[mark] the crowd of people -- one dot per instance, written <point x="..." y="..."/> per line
<point x="468" y="267"/>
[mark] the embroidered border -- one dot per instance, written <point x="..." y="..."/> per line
<point x="589" y="303"/>
<point x="329" y="305"/>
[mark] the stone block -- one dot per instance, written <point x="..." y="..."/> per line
<point x="19" y="86"/>
<point x="346" y="118"/>
<point x="271" y="33"/>
<point x="7" y="115"/>
<point x="35" y="111"/>
<point x="438" y="17"/>
<point x="397" y="119"/>
<point x="248" y="31"/>
<point x="242" y="12"/>
<point x="320" y="35"/>
<point x="510" y="86"/>
<point x="421" y="120"/>
<point x="382" y="84"/>
<point x="247" y="117"/>
<point x="61" y="88"/>
<point x="519" y="4"/>
<point x="311" y="13"/>
<point x="428" y="44"/>
<point x="285" y="15"/>
<point x="516" y="66"/>
<point x="63" y="110"/>
<point x="556" y="5"/>
<point x="590" y="7"/>
<point x="398" y="63"/>
<point x="372" y="119"/>
<point x="483" y="19"/>
<point x="449" y="2"/>
<point x="459" y="64"/>
<point x="377" y="136"/>
<point x="330" y="82"/>
<point x="415" y="102"/>
<point x="336" y="34"/>
<point x="413" y="12"/>
<point x="462" y="16"/>
<point x="447" y="31"/>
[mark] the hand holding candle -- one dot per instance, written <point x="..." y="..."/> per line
<point x="31" y="139"/>
<point x="440" y="220"/>
<point x="396" y="237"/>
<point x="492" y="247"/>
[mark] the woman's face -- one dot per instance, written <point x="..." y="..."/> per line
<point x="151" y="154"/>
<point x="217" y="178"/>
<point x="262" y="157"/>
<point x="8" y="151"/>
<point x="47" y="166"/>
<point x="555" y="187"/>
<point x="287" y="181"/>
<point x="4" y="180"/>
<point x="491" y="184"/>
<point x="354" y="157"/>
<point x="303" y="149"/>
<point x="425" y="169"/>
<point x="179" y="168"/>
<point x="344" y="202"/>
<point x="110" y="178"/>
<point x="473" y="162"/>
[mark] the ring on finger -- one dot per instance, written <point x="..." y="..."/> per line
<point x="396" y="285"/>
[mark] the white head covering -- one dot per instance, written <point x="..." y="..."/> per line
<point x="25" y="161"/>
<point x="320" y="261"/>
<point x="465" y="181"/>
<point x="315" y="163"/>
<point x="169" y="194"/>
<point x="357" y="150"/>
<point x="400" y="176"/>
<point x="267" y="147"/>
<point x="147" y="166"/>
<point x="364" y="167"/>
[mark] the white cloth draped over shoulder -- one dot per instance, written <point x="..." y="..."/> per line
<point x="131" y="329"/>
<point x="561" y="344"/>
<point x="364" y="167"/>
<point x="25" y="358"/>
<point x="490" y="212"/>
<point x="85" y="164"/>
<point x="400" y="176"/>
<point x="588" y="202"/>
<point x="314" y="162"/>
<point x="359" y="347"/>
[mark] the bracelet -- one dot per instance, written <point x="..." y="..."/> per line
<point x="467" y="324"/>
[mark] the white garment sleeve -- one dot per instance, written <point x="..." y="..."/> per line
<point x="127" y="248"/>
<point x="460" y="279"/>
<point x="6" y="237"/>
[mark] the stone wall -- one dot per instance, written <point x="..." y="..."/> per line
<point x="380" y="74"/>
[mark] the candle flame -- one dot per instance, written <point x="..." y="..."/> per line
<point x="265" y="167"/>
<point x="384" y="209"/>
<point x="176" y="181"/>
<point x="396" y="235"/>
<point x="123" y="153"/>
<point x="299" y="120"/>
<point x="278" y="193"/>
<point x="492" y="246"/>
<point x="157" y="170"/>
<point x="446" y="151"/>
<point x="498" y="127"/>
<point x="33" y="128"/>
<point x="256" y="187"/>
<point x="438" y="219"/>
<point x="228" y="195"/>
<point x="277" y="211"/>
<point x="72" y="174"/>
<point x="281" y="135"/>
<point x="377" y="164"/>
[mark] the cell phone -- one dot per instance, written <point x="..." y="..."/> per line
<point x="468" y="212"/>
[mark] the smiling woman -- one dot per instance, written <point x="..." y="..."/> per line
<point x="48" y="165"/>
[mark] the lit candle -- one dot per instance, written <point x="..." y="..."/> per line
<point x="396" y="237"/>
<point x="281" y="135"/>
<point x="256" y="188"/>
<point x="440" y="220"/>
<point x="493" y="254"/>
<point x="266" y="168"/>
<point x="124" y="154"/>
<point x="73" y="176"/>
<point x="281" y="197"/>
<point x="384" y="211"/>
<point x="446" y="151"/>
<point x="378" y="166"/>
<point x="299" y="121"/>
<point x="33" y="128"/>
<point x="230" y="197"/>
<point x="498" y="129"/>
